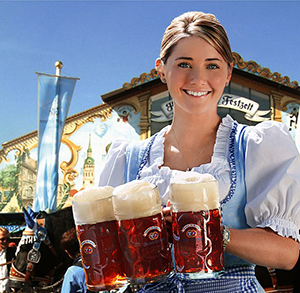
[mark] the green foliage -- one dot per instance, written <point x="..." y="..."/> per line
<point x="8" y="177"/>
<point x="67" y="188"/>
<point x="12" y="210"/>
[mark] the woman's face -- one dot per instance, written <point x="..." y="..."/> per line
<point x="196" y="75"/>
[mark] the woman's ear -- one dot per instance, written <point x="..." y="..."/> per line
<point x="159" y="65"/>
<point x="230" y="68"/>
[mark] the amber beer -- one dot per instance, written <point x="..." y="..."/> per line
<point x="196" y="225"/>
<point x="142" y="232"/>
<point x="97" y="232"/>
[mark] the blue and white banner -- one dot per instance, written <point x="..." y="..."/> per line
<point x="54" y="97"/>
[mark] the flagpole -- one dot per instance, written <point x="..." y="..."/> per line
<point x="58" y="66"/>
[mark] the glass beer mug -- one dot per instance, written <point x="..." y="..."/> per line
<point x="196" y="225"/>
<point x="142" y="232"/>
<point x="97" y="232"/>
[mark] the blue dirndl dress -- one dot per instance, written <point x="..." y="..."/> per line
<point x="239" y="275"/>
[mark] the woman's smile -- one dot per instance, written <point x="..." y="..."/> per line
<point x="197" y="93"/>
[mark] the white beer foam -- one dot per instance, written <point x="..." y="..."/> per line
<point x="93" y="205"/>
<point x="192" y="192"/>
<point x="136" y="199"/>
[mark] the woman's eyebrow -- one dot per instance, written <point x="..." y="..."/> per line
<point x="184" y="58"/>
<point x="213" y="59"/>
<point x="191" y="59"/>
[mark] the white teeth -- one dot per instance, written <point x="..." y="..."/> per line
<point x="197" y="94"/>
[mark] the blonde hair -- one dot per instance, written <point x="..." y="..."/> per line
<point x="198" y="24"/>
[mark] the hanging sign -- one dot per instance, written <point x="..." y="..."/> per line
<point x="249" y="107"/>
<point x="166" y="113"/>
<point x="243" y="105"/>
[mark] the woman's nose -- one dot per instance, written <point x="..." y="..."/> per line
<point x="197" y="77"/>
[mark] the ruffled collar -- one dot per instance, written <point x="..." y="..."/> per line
<point x="220" y="148"/>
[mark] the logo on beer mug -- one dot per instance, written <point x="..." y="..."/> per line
<point x="153" y="232"/>
<point x="153" y="235"/>
<point x="191" y="230"/>
<point x="88" y="246"/>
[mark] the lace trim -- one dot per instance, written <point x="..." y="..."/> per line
<point x="221" y="145"/>
<point x="145" y="156"/>
<point x="232" y="164"/>
<point x="283" y="227"/>
<point x="157" y="150"/>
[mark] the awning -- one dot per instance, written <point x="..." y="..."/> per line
<point x="14" y="228"/>
<point x="11" y="218"/>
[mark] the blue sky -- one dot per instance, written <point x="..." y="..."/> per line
<point x="107" y="43"/>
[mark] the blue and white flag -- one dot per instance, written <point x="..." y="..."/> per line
<point x="54" y="97"/>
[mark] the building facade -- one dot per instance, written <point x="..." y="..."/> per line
<point x="137" y="110"/>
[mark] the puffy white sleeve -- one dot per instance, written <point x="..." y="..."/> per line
<point x="112" y="172"/>
<point x="272" y="172"/>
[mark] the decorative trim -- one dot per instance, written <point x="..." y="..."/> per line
<point x="285" y="101"/>
<point x="19" y="145"/>
<point x="232" y="164"/>
<point x="253" y="67"/>
<point x="238" y="62"/>
<point x="76" y="121"/>
<point x="144" y="77"/>
<point x="68" y="167"/>
<point x="145" y="156"/>
<point x="133" y="102"/>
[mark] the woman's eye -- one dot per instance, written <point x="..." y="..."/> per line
<point x="213" y="66"/>
<point x="184" y="65"/>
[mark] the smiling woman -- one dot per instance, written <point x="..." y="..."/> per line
<point x="196" y="78"/>
<point x="260" y="214"/>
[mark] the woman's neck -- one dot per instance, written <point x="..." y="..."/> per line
<point x="195" y="127"/>
<point x="190" y="142"/>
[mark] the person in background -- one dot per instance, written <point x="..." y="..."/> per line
<point x="74" y="279"/>
<point x="7" y="254"/>
<point x="257" y="167"/>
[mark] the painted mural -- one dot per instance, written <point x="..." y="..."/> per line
<point x="81" y="158"/>
<point x="290" y="117"/>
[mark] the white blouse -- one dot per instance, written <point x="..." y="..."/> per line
<point x="273" y="193"/>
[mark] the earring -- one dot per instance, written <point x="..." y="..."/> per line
<point x="163" y="80"/>
<point x="226" y="84"/>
